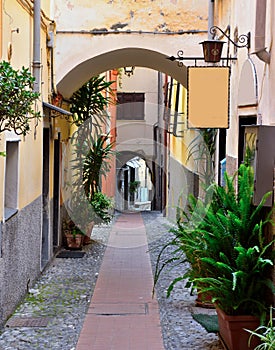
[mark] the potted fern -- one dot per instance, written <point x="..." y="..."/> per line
<point x="230" y="255"/>
<point x="238" y="260"/>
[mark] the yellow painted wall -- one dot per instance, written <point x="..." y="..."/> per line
<point x="17" y="14"/>
<point x="180" y="144"/>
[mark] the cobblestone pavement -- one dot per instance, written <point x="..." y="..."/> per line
<point x="56" y="305"/>
<point x="180" y="331"/>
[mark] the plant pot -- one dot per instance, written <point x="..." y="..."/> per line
<point x="204" y="300"/>
<point x="88" y="232"/>
<point x="74" y="241"/>
<point x="232" y="333"/>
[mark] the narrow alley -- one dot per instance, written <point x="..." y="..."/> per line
<point x="78" y="304"/>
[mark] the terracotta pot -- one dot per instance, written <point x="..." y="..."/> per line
<point x="74" y="241"/>
<point x="232" y="333"/>
<point x="88" y="231"/>
<point x="204" y="300"/>
<point x="89" y="228"/>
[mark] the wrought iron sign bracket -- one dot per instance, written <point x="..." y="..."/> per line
<point x="243" y="39"/>
<point x="181" y="58"/>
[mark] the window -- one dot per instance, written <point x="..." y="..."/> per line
<point x="11" y="179"/>
<point x="130" y="106"/>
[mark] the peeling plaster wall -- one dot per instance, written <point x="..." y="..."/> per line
<point x="98" y="30"/>
<point x="146" y="15"/>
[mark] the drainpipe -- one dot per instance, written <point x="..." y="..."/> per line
<point x="210" y="17"/>
<point x="260" y="48"/>
<point x="36" y="44"/>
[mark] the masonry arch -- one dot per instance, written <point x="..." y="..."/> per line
<point x="82" y="69"/>
<point x="127" y="171"/>
<point x="130" y="56"/>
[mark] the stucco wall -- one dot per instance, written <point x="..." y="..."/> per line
<point x="99" y="33"/>
<point x="242" y="15"/>
<point x="171" y="15"/>
<point x="20" y="236"/>
<point x="181" y="182"/>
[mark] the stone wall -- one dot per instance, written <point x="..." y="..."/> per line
<point x="20" y="258"/>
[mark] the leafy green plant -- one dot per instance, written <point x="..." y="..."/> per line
<point x="225" y="243"/>
<point x="265" y="333"/>
<point x="92" y="148"/>
<point x="96" y="165"/>
<point x="239" y="258"/>
<point x="102" y="206"/>
<point x="16" y="99"/>
<point x="77" y="231"/>
<point x="133" y="186"/>
<point x="88" y="104"/>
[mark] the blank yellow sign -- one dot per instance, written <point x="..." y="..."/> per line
<point x="208" y="97"/>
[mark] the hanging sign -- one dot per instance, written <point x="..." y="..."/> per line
<point x="208" y="97"/>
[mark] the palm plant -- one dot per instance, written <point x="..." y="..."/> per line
<point x="90" y="148"/>
<point x="88" y="104"/>
<point x="96" y="165"/>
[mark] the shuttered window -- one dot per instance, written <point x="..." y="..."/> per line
<point x="130" y="106"/>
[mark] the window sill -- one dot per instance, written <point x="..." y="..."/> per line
<point x="9" y="213"/>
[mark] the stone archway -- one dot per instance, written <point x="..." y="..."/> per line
<point x="126" y="167"/>
<point x="84" y="70"/>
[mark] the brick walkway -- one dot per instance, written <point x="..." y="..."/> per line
<point x="122" y="314"/>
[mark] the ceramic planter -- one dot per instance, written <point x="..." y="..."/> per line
<point x="232" y="333"/>
<point x="74" y="241"/>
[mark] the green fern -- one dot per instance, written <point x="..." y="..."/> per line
<point x="225" y="244"/>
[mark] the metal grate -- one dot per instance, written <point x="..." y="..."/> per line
<point x="71" y="254"/>
<point x="118" y="309"/>
<point x="29" y="322"/>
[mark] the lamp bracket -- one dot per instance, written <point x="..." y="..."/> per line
<point x="181" y="58"/>
<point x="243" y="39"/>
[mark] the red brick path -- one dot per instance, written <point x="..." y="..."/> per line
<point x="122" y="314"/>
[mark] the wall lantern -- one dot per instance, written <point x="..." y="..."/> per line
<point x="212" y="49"/>
<point x="129" y="71"/>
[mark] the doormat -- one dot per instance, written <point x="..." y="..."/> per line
<point x="209" y="322"/>
<point x="70" y="254"/>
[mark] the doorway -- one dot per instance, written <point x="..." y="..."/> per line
<point x="45" y="198"/>
<point x="56" y="193"/>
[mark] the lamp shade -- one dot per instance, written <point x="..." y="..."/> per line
<point x="212" y="50"/>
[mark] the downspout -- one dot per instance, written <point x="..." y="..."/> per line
<point x="260" y="24"/>
<point x="36" y="64"/>
<point x="210" y="17"/>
